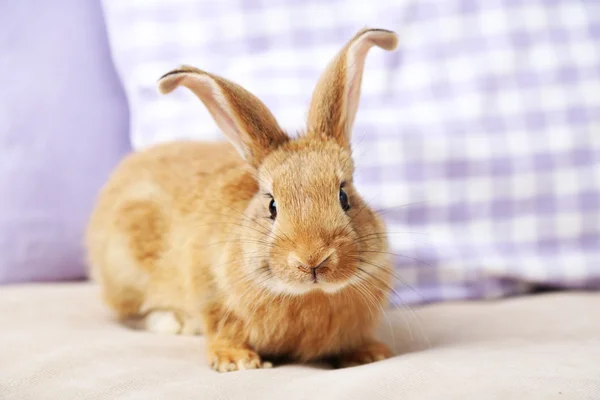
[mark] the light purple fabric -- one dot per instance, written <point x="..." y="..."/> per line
<point x="63" y="126"/>
<point x="479" y="139"/>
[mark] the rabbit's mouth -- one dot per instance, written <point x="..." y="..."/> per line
<point x="318" y="284"/>
<point x="316" y="268"/>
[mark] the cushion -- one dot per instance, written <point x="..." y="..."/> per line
<point x="63" y="126"/>
<point x="477" y="140"/>
<point x="58" y="342"/>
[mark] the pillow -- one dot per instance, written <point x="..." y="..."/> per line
<point x="63" y="126"/>
<point x="479" y="139"/>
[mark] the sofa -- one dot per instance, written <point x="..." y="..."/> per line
<point x="59" y="342"/>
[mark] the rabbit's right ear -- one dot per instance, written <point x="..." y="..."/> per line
<point x="242" y="117"/>
<point x="335" y="99"/>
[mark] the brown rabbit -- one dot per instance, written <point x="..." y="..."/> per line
<point x="271" y="254"/>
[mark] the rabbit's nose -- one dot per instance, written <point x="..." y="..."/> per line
<point x="310" y="269"/>
<point x="311" y="265"/>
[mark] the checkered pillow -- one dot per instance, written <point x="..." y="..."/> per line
<point x="479" y="139"/>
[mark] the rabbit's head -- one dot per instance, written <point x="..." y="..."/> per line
<point x="314" y="229"/>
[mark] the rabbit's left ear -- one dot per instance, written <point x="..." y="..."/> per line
<point x="336" y="97"/>
<point x="242" y="117"/>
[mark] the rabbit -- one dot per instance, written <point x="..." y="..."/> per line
<point x="260" y="243"/>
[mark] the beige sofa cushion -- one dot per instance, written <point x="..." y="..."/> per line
<point x="59" y="342"/>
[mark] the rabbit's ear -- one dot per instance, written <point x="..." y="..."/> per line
<point x="243" y="118"/>
<point x="336" y="96"/>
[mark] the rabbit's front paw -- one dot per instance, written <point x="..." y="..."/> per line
<point x="368" y="353"/>
<point x="225" y="356"/>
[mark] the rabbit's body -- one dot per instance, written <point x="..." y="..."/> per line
<point x="272" y="254"/>
<point x="147" y="216"/>
<point x="167" y="235"/>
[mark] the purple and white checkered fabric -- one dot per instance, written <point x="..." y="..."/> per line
<point x="479" y="139"/>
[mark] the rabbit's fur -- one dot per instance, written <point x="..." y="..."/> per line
<point x="184" y="234"/>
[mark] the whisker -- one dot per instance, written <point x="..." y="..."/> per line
<point x="364" y="290"/>
<point x="395" y="208"/>
<point x="387" y="287"/>
<point x="386" y="233"/>
<point x="242" y="260"/>
<point x="362" y="283"/>
<point x="246" y="291"/>
<point x="238" y="241"/>
<point x="404" y="304"/>
<point x="250" y="276"/>
<point x="267" y="233"/>
<point x="392" y="273"/>
<point x="250" y="219"/>
<point x="256" y="299"/>
<point x="242" y="236"/>
<point x="356" y="215"/>
<point x="398" y="255"/>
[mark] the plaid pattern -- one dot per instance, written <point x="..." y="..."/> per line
<point x="479" y="139"/>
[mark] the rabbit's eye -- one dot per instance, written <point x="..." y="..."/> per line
<point x="273" y="209"/>
<point x="344" y="200"/>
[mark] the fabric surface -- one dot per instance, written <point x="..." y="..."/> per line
<point x="63" y="126"/>
<point x="58" y="342"/>
<point x="479" y="139"/>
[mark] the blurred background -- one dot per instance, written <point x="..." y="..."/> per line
<point x="478" y="139"/>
